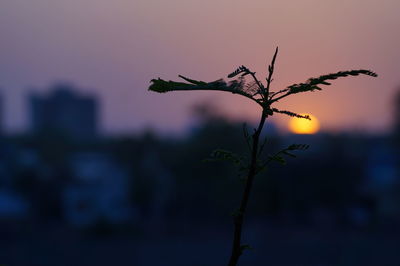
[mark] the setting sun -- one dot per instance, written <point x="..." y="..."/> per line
<point x="304" y="126"/>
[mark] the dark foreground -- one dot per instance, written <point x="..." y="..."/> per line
<point x="198" y="245"/>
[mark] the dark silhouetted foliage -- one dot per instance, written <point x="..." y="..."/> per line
<point x="256" y="161"/>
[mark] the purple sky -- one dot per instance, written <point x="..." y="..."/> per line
<point x="113" y="48"/>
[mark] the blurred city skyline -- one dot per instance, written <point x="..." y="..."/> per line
<point x="113" y="49"/>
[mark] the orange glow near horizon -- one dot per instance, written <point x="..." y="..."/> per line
<point x="304" y="126"/>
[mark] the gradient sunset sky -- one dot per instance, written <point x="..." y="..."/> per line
<point x="114" y="48"/>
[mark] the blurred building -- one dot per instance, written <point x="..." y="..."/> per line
<point x="12" y="205"/>
<point x="397" y="118"/>
<point x="99" y="192"/>
<point x="1" y="114"/>
<point x="64" y="112"/>
<point x="382" y="181"/>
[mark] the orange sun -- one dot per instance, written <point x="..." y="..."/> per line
<point x="304" y="126"/>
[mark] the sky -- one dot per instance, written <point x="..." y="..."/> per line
<point x="114" y="48"/>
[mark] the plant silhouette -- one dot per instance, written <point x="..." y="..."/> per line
<point x="244" y="82"/>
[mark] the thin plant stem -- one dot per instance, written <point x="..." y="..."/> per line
<point x="238" y="217"/>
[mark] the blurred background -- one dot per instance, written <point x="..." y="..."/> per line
<point x="96" y="170"/>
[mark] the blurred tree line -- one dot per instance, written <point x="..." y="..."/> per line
<point x="172" y="172"/>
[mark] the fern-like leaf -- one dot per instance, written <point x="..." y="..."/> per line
<point x="298" y="147"/>
<point x="162" y="86"/>
<point x="314" y="83"/>
<point x="280" y="155"/>
<point x="291" y="114"/>
<point x="195" y="82"/>
<point x="241" y="69"/>
<point x="237" y="86"/>
<point x="224" y="155"/>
